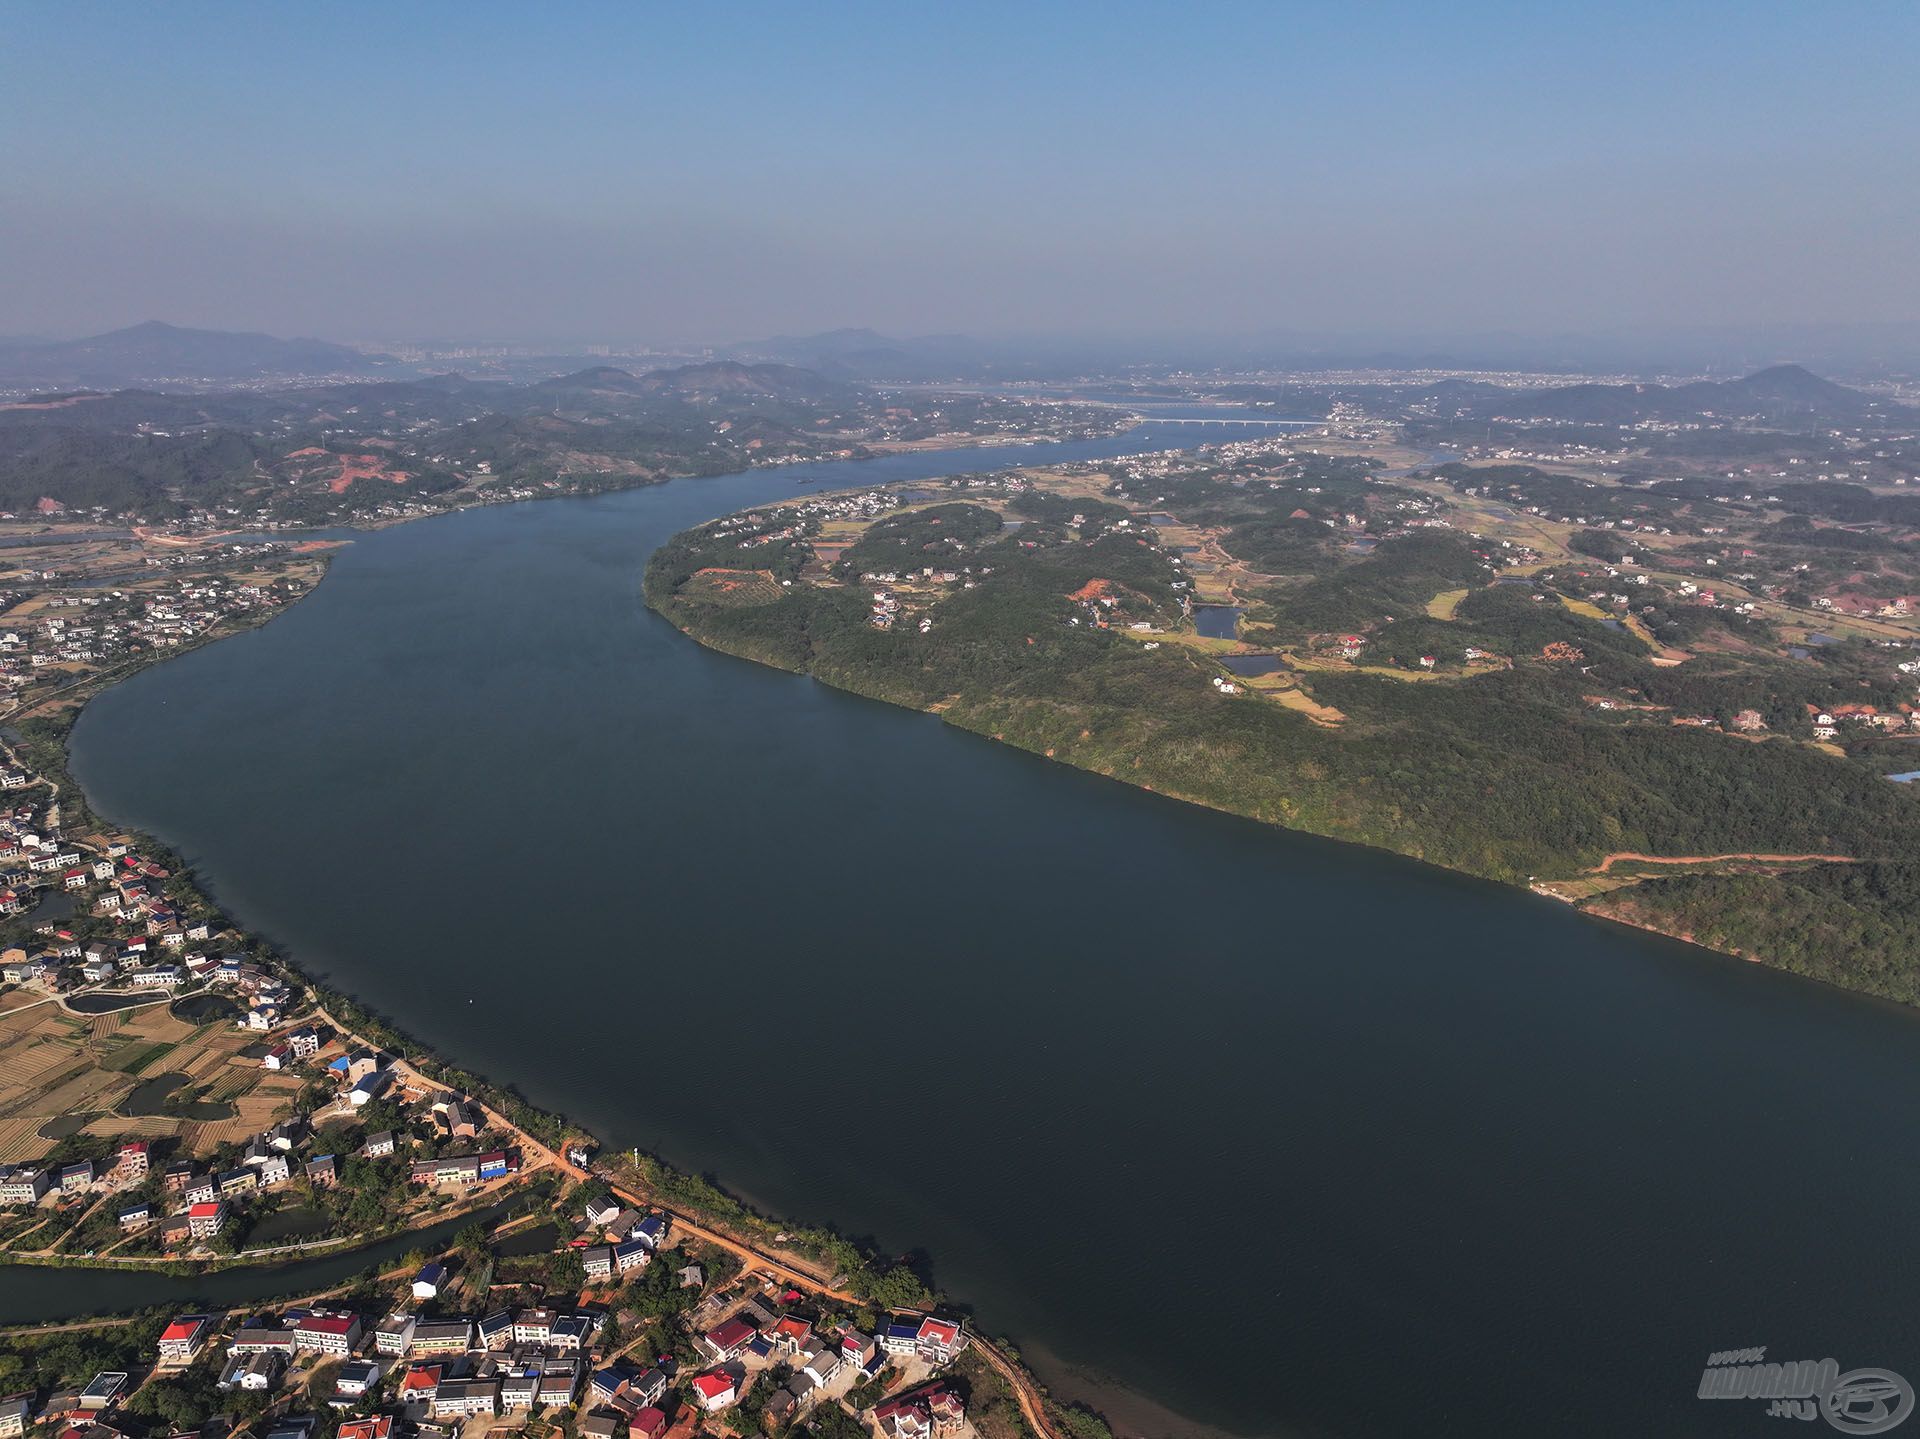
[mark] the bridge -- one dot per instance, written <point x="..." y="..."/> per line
<point x="1258" y="424"/>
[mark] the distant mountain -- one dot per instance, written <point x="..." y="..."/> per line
<point x="730" y="379"/>
<point x="159" y="352"/>
<point x="1781" y="394"/>
<point x="595" y="380"/>
<point x="1791" y="389"/>
<point x="715" y="380"/>
<point x="859" y="354"/>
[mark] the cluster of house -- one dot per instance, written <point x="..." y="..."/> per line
<point x="84" y="631"/>
<point x="444" y="1368"/>
<point x="438" y="1371"/>
<point x="1827" y="722"/>
<point x="28" y="1183"/>
<point x="1900" y="607"/>
<point x="759" y="1335"/>
<point x="87" y="1412"/>
<point x="629" y="1239"/>
<point x="196" y="1204"/>
<point x="153" y="953"/>
<point x="33" y="853"/>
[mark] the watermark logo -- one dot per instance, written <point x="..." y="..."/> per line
<point x="1859" y="1401"/>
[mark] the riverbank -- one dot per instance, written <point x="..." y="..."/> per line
<point x="877" y="974"/>
<point x="1003" y="636"/>
<point x="538" y="1129"/>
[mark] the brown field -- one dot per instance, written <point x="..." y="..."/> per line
<point x="732" y="587"/>
<point x="53" y="1064"/>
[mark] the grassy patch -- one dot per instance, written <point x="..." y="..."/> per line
<point x="733" y="588"/>
<point x="132" y="1058"/>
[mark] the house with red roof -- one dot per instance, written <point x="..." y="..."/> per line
<point x="728" y="1341"/>
<point x="181" y="1340"/>
<point x="716" y="1389"/>
<point x="792" y="1332"/>
<point x="941" y="1339"/>
<point x="932" y="1409"/>
<point x="327" y="1333"/>
<point x="206" y="1218"/>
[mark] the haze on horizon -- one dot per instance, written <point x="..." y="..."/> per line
<point x="658" y="174"/>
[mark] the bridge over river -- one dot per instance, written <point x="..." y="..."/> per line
<point x="1224" y="420"/>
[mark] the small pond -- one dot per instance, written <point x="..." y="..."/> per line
<point x="204" y="1008"/>
<point x="534" y="1239"/>
<point x="108" y="1003"/>
<point x="54" y="904"/>
<point x="150" y="1096"/>
<point x="1217" y="622"/>
<point x="286" y="1226"/>
<point x="1249" y="665"/>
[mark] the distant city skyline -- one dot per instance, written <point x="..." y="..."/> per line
<point x="672" y="178"/>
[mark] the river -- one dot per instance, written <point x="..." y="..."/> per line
<point x="49" y="1292"/>
<point x="1229" y="1128"/>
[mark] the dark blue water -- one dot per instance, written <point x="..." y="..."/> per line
<point x="1273" y="1134"/>
<point x="1250" y="665"/>
<point x="29" y="1293"/>
<point x="1217" y="622"/>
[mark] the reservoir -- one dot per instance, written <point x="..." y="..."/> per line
<point x="1230" y="1129"/>
<point x="1217" y="622"/>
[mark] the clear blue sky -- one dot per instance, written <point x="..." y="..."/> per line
<point x="715" y="172"/>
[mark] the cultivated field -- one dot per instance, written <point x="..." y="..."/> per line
<point x="78" y="1072"/>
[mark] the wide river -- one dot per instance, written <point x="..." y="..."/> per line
<point x="1229" y="1128"/>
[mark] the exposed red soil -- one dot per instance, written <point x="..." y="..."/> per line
<point x="1625" y="856"/>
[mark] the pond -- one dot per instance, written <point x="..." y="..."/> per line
<point x="534" y="1239"/>
<point x="55" y="904"/>
<point x="108" y="1003"/>
<point x="205" y="1008"/>
<point x="1217" y="622"/>
<point x="65" y="1127"/>
<point x="1249" y="665"/>
<point x="286" y="1226"/>
<point x="149" y="1098"/>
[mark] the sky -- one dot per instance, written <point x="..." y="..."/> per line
<point x="689" y="173"/>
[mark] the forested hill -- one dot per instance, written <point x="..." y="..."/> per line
<point x="325" y="452"/>
<point x="1416" y="685"/>
<point x="155" y="349"/>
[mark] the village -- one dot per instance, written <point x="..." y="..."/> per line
<point x="173" y="1096"/>
<point x="651" y="1332"/>
<point x="621" y="1319"/>
<point x="1708" y="593"/>
<point x="77" y="604"/>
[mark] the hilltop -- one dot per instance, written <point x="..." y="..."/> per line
<point x="1778" y="395"/>
<point x="156" y="350"/>
<point x="864" y="354"/>
<point x="1525" y="675"/>
<point x="704" y="383"/>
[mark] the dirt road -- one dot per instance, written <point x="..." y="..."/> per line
<point x="1627" y="856"/>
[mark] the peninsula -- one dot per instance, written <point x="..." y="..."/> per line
<point x="1680" y="703"/>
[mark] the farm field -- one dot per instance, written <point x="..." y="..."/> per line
<point x="63" y="1073"/>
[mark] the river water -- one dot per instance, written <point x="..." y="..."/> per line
<point x="1229" y="1128"/>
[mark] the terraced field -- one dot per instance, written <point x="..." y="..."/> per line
<point x="57" y="1066"/>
